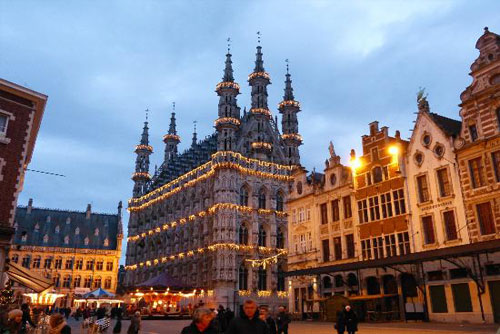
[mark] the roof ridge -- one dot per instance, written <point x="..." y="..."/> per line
<point x="68" y="211"/>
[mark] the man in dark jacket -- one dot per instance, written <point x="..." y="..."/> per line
<point x="202" y="317"/>
<point x="283" y="320"/>
<point x="266" y="317"/>
<point x="248" y="322"/>
<point x="350" y="320"/>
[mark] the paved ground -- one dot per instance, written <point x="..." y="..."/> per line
<point x="303" y="327"/>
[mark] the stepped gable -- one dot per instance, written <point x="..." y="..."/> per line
<point x="191" y="158"/>
<point x="67" y="222"/>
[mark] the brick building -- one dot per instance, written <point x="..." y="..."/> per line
<point x="21" y="111"/>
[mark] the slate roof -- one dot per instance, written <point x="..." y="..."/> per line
<point x="188" y="160"/>
<point x="36" y="225"/>
<point x="450" y="126"/>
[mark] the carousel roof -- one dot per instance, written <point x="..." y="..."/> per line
<point x="163" y="280"/>
<point x="98" y="293"/>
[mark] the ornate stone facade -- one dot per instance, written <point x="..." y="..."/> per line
<point x="206" y="212"/>
<point x="79" y="251"/>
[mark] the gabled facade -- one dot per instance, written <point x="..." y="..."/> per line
<point x="321" y="232"/>
<point x="435" y="194"/>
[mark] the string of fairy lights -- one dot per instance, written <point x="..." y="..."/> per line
<point x="233" y="160"/>
<point x="266" y="261"/>
<point x="213" y="248"/>
<point x="259" y="74"/>
<point x="210" y="211"/>
<point x="225" y="120"/>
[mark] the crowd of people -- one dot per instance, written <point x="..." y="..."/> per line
<point x="18" y="321"/>
<point x="252" y="320"/>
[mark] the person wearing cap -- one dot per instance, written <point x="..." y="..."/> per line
<point x="349" y="320"/>
<point x="57" y="324"/>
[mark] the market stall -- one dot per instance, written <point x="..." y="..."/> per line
<point x="97" y="298"/>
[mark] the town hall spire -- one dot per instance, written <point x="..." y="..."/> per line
<point x="289" y="122"/>
<point x="171" y="139"/>
<point x="258" y="80"/>
<point x="143" y="150"/>
<point x="228" y="120"/>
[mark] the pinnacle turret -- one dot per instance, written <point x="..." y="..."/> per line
<point x="228" y="70"/>
<point x="171" y="139"/>
<point x="259" y="80"/>
<point x="288" y="87"/>
<point x="259" y="63"/>
<point x="143" y="150"/>
<point x="195" y="139"/>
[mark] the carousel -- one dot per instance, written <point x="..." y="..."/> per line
<point x="97" y="298"/>
<point x="164" y="296"/>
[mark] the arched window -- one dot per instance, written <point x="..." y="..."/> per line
<point x="66" y="281"/>
<point x="262" y="281"/>
<point x="372" y="286"/>
<point x="262" y="198"/>
<point x="281" y="279"/>
<point x="279" y="201"/>
<point x="243" y="235"/>
<point x="26" y="261"/>
<point x="56" y="280"/>
<point x="107" y="283"/>
<point x="339" y="281"/>
<point x="244" y="196"/>
<point x="36" y="262"/>
<point x="97" y="282"/>
<point x="262" y="236"/>
<point x="280" y="239"/>
<point x="327" y="282"/>
<point x="243" y="278"/>
<point x="352" y="280"/>
<point x="377" y="174"/>
<point x="77" y="281"/>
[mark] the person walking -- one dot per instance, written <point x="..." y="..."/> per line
<point x="135" y="323"/>
<point x="248" y="322"/>
<point x="14" y="322"/>
<point x="26" y="319"/>
<point x="350" y="320"/>
<point x="57" y="324"/>
<point x="202" y="319"/>
<point x="340" y="324"/>
<point x="282" y="320"/>
<point x="266" y="317"/>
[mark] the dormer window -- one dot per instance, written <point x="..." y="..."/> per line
<point x="57" y="229"/>
<point x="96" y="232"/>
<point x="106" y="242"/>
<point x="86" y="241"/>
<point x="24" y="237"/>
<point x="77" y="231"/>
<point x="473" y="132"/>
<point x="45" y="238"/>
<point x="37" y="227"/>
<point x="68" y="221"/>
<point x="66" y="240"/>
<point x="48" y="219"/>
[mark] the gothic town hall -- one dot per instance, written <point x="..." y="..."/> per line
<point x="208" y="213"/>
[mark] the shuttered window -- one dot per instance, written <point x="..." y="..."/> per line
<point x="428" y="226"/>
<point x="450" y="226"/>
<point x="485" y="217"/>
<point x="461" y="297"/>
<point x="438" y="299"/>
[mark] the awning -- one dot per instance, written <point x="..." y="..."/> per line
<point x="99" y="293"/>
<point x="28" y="278"/>
<point x="483" y="247"/>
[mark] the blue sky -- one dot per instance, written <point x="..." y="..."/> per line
<point x="102" y="63"/>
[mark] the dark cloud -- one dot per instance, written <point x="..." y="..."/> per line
<point x="103" y="63"/>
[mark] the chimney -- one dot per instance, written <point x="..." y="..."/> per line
<point x="373" y="128"/>
<point x="398" y="135"/>
<point x="30" y="206"/>
<point x="88" y="212"/>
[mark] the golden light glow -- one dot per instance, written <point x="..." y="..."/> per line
<point x="288" y="103"/>
<point x="210" y="211"/>
<point x="393" y="150"/>
<point x="258" y="145"/>
<point x="227" y="84"/>
<point x="43" y="298"/>
<point x="220" y="160"/>
<point x="355" y="163"/>
<point x="223" y="120"/>
<point x="282" y="294"/>
<point x="261" y="111"/>
<point x="264" y="293"/>
<point x="244" y="293"/>
<point x="171" y="137"/>
<point x="144" y="147"/>
<point x="215" y="247"/>
<point x="294" y="136"/>
<point x="259" y="74"/>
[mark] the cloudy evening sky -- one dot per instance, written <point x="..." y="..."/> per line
<point x="103" y="62"/>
